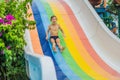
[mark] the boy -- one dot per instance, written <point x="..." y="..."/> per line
<point x="114" y="27"/>
<point x="53" y="28"/>
<point x="98" y="3"/>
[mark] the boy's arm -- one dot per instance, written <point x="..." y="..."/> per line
<point x="105" y="3"/>
<point x="47" y="32"/>
<point x="61" y="30"/>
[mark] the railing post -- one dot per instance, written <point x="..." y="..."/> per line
<point x="119" y="21"/>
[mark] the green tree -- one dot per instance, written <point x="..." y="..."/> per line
<point x="112" y="9"/>
<point x="13" y="22"/>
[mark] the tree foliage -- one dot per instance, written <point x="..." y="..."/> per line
<point x="112" y="7"/>
<point x="13" y="22"/>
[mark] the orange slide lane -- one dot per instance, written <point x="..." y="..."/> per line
<point x="34" y="36"/>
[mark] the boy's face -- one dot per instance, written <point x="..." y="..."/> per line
<point x="54" y="20"/>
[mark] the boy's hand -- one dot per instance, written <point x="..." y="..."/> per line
<point x="64" y="36"/>
<point x="47" y="38"/>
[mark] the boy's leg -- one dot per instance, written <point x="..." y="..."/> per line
<point x="59" y="45"/>
<point x="53" y="44"/>
<point x="114" y="30"/>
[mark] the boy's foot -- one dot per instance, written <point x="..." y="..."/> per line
<point x="54" y="49"/>
<point x="98" y="6"/>
<point x="62" y="49"/>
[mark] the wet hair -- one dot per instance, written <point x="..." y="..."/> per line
<point x="52" y="17"/>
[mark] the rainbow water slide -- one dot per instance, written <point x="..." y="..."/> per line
<point x="91" y="50"/>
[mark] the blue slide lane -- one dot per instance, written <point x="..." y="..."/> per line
<point x="44" y="44"/>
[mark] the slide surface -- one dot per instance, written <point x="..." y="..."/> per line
<point x="91" y="50"/>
